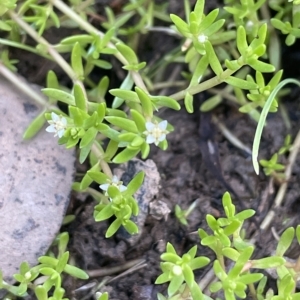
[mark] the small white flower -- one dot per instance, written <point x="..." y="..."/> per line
<point x="249" y="25"/>
<point x="202" y="38"/>
<point x="156" y="132"/>
<point x="58" y="125"/>
<point x="114" y="182"/>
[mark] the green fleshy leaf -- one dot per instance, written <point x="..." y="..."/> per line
<point x="181" y="26"/>
<point x="90" y="121"/>
<point x="4" y="26"/>
<point x="209" y="19"/>
<point x="137" y="141"/>
<point x="109" y="132"/>
<point x="126" y="85"/>
<point x="199" y="8"/>
<point x="145" y="150"/>
<point x="209" y="241"/>
<point x="145" y="102"/>
<point x="131" y="227"/>
<point x="102" y="64"/>
<point x="162" y="278"/>
<point x="125" y="155"/>
<point x="128" y="53"/>
<point x="246" y="214"/>
<point x="112" y="229"/>
<point x="188" y="102"/>
<point x="220" y="273"/>
<point x="59" y="95"/>
<point x="111" y="150"/>
<point x="170" y="257"/>
<point x="166" y="102"/>
<point x="188" y="275"/>
<point x="88" y="137"/>
<point x="76" y="61"/>
<point x="125" y="95"/>
<point x="210" y="103"/>
<point x="85" y="151"/>
<point x="105" y="213"/>
<point x="41" y="293"/>
<point x="232" y="64"/>
<point x="127" y="136"/>
<point x="175" y="284"/>
<point x="82" y="39"/>
<point x="76" y="272"/>
<point x="213" y="59"/>
<point x="52" y="81"/>
<point x="241" y="83"/>
<point x="215" y="286"/>
<point x="62" y="262"/>
<point x="135" y="183"/>
<point x="80" y="96"/>
<point x="139" y="120"/>
<point x="72" y="142"/>
<point x="231" y="253"/>
<point x="212" y="222"/>
<point x="170" y="248"/>
<point x="123" y="123"/>
<point x="199" y="70"/>
<point x="97" y="176"/>
<point x="268" y="262"/>
<point x="199" y="262"/>
<point x="260" y="66"/>
<point x="108" y="36"/>
<point x="111" y="112"/>
<point x="135" y="67"/>
<point x="35" y="126"/>
<point x="260" y="50"/>
<point x="251" y="278"/>
<point x="212" y="29"/>
<point x="202" y="233"/>
<point x="78" y="115"/>
<point x="85" y="182"/>
<point x="285" y="241"/>
<point x="241" y="40"/>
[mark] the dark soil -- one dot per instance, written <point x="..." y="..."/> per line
<point x="186" y="175"/>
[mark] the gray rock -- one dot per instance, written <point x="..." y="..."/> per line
<point x="35" y="182"/>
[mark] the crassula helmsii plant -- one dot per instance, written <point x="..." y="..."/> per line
<point x="235" y="45"/>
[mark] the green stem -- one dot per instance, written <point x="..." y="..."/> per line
<point x="98" y="151"/>
<point x="68" y="11"/>
<point x="49" y="48"/>
<point x="252" y="291"/>
<point x="220" y="256"/>
<point x="23" y="47"/>
<point x="92" y="30"/>
<point x="24" y="87"/>
<point x="204" y="85"/>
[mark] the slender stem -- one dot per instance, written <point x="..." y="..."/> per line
<point x="56" y="56"/>
<point x="204" y="85"/>
<point x="92" y="30"/>
<point x="24" y="87"/>
<point x="23" y="47"/>
<point x="104" y="165"/>
<point x="75" y="17"/>
<point x="252" y="291"/>
<point x="220" y="256"/>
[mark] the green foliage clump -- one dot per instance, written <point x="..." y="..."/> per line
<point x="234" y="268"/>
